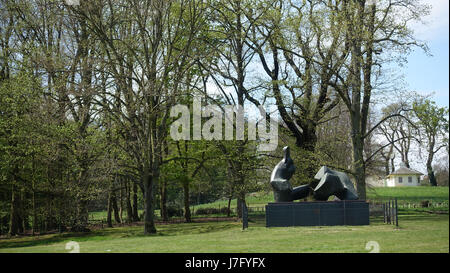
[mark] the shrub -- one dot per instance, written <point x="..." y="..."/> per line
<point x="208" y="211"/>
<point x="174" y="211"/>
<point x="425" y="204"/>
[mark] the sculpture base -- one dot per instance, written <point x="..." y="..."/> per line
<point x="318" y="213"/>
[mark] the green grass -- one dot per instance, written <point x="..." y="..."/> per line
<point x="417" y="233"/>
<point x="410" y="194"/>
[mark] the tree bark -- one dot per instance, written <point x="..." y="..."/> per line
<point x="14" y="225"/>
<point x="163" y="201"/>
<point x="135" y="203"/>
<point x="149" y="224"/>
<point x="430" y="171"/>
<point x="229" y="205"/>
<point x="128" y="202"/>
<point x="115" y="207"/>
<point x="187" y="209"/>
<point x="109" y="214"/>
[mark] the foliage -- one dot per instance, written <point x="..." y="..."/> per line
<point x="86" y="93"/>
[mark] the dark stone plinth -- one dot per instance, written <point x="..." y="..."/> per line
<point x="318" y="213"/>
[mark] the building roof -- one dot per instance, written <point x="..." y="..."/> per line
<point x="403" y="170"/>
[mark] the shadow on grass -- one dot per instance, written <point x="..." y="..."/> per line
<point x="117" y="232"/>
<point x="255" y="220"/>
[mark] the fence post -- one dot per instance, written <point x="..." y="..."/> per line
<point x="392" y="212"/>
<point x="389" y="211"/>
<point x="396" y="212"/>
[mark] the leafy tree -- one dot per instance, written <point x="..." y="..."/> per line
<point x="371" y="28"/>
<point x="433" y="123"/>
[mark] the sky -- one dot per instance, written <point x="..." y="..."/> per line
<point x="429" y="75"/>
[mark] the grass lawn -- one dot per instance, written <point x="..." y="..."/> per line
<point x="410" y="194"/>
<point x="417" y="233"/>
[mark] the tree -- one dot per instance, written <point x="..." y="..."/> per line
<point x="433" y="123"/>
<point x="293" y="34"/>
<point x="230" y="69"/>
<point x="399" y="130"/>
<point x="18" y="97"/>
<point x="149" y="46"/>
<point x="371" y="28"/>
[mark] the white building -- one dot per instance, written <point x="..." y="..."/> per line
<point x="403" y="177"/>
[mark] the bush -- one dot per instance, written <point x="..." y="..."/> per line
<point x="174" y="211"/>
<point x="425" y="204"/>
<point x="209" y="211"/>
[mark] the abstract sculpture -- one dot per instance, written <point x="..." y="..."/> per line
<point x="282" y="188"/>
<point x="328" y="183"/>
<point x="333" y="183"/>
<point x="285" y="213"/>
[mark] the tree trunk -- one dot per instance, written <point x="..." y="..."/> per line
<point x="14" y="213"/>
<point x="405" y="159"/>
<point x="432" y="178"/>
<point x="430" y="172"/>
<point x="135" y="203"/>
<point x="121" y="200"/>
<point x="35" y="226"/>
<point x="115" y="207"/>
<point x="187" y="210"/>
<point x="163" y="201"/>
<point x="359" y="169"/>
<point x="392" y="165"/>
<point x="82" y="201"/>
<point x="240" y="201"/>
<point x="25" y="224"/>
<point x="33" y="198"/>
<point x="149" y="223"/>
<point x="128" y="202"/>
<point x="109" y="215"/>
<point x="229" y="205"/>
<point x="386" y="166"/>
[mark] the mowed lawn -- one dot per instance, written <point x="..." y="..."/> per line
<point x="410" y="194"/>
<point x="417" y="233"/>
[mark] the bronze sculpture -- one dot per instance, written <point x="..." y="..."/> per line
<point x="328" y="182"/>
<point x="282" y="188"/>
